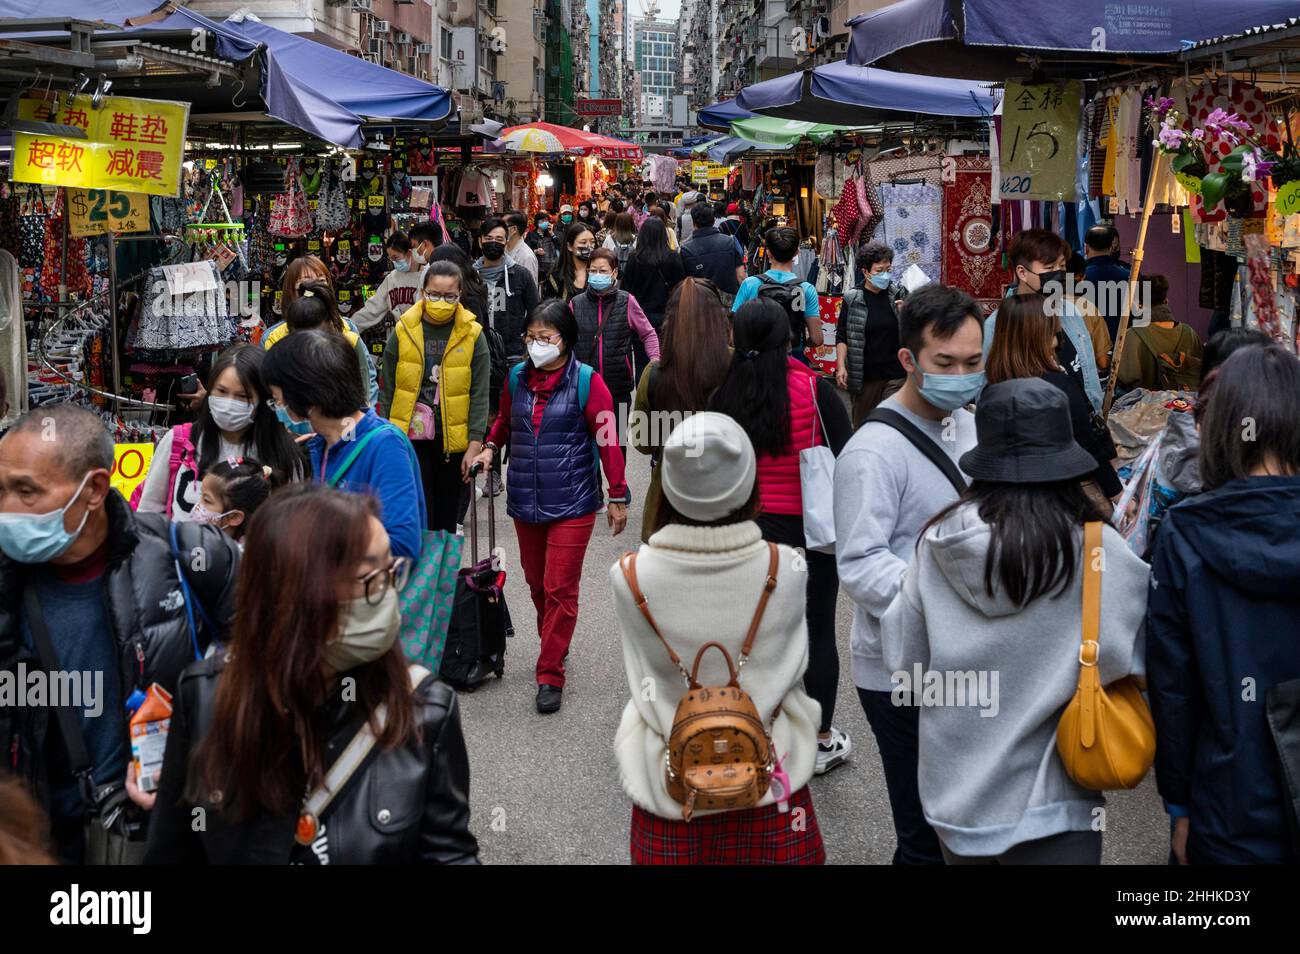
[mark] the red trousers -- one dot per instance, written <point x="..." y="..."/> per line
<point x="552" y="555"/>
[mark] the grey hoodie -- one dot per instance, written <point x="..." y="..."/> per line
<point x="989" y="774"/>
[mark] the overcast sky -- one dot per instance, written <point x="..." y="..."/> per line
<point x="668" y="9"/>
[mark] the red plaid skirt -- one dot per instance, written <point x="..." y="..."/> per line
<point x="752" y="836"/>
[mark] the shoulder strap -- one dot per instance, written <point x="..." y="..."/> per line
<point x="69" y="727"/>
<point x="584" y="385"/>
<point x="354" y="453"/>
<point x="180" y="444"/>
<point x="191" y="601"/>
<point x="352" y="757"/>
<point x="919" y="440"/>
<point x="1089" y="648"/>
<point x="773" y="564"/>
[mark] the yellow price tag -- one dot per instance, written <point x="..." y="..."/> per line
<point x="1288" y="198"/>
<point x="100" y="211"/>
<point x="1191" y="183"/>
<point x="375" y="201"/>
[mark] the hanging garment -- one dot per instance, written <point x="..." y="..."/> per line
<point x="184" y="307"/>
<point x="748" y="175"/>
<point x="912" y="226"/>
<point x="13" y="341"/>
<point x="1111" y="127"/>
<point x="475" y="190"/>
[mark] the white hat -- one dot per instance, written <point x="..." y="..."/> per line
<point x="708" y="468"/>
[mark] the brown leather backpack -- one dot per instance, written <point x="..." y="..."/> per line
<point x="719" y="751"/>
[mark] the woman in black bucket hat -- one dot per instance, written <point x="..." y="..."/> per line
<point x="991" y="612"/>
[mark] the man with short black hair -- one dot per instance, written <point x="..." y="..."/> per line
<point x="1106" y="275"/>
<point x="90" y="589"/>
<point x="512" y="293"/>
<point x="899" y="470"/>
<point x="516" y="247"/>
<point x="781" y="283"/>
<point x="710" y="254"/>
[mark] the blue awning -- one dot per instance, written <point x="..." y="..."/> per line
<point x="727" y="149"/>
<point x="953" y="37"/>
<point x="312" y="87"/>
<point x="840" y="94"/>
<point x="721" y="115"/>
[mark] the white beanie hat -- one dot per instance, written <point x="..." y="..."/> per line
<point x="708" y="468"/>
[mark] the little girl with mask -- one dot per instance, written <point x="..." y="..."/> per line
<point x="232" y="490"/>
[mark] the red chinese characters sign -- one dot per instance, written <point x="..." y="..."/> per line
<point x="131" y="145"/>
<point x="598" y="107"/>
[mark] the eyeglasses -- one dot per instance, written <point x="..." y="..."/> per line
<point x="377" y="582"/>
<point x="450" y="298"/>
<point x="543" y="339"/>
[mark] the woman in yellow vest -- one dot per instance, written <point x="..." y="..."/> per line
<point x="434" y="386"/>
<point x="315" y="308"/>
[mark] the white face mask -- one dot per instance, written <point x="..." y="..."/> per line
<point x="542" y="352"/>
<point x="231" y="414"/>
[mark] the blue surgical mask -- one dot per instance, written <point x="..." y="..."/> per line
<point x="402" y="265"/>
<point x="949" y="391"/>
<point x="600" y="283"/>
<point x="881" y="280"/>
<point x="292" y="426"/>
<point x="543" y="226"/>
<point x="39" y="537"/>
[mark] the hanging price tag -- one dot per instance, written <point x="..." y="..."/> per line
<point x="375" y="201"/>
<point x="100" y="211"/>
<point x="1288" y="198"/>
<point x="209" y="163"/>
<point x="1191" y="183"/>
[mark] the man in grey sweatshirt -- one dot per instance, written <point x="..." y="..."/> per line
<point x="886" y="489"/>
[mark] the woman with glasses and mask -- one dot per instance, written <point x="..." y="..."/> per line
<point x="436" y="382"/>
<point x="609" y="322"/>
<point x="569" y="277"/>
<point x="556" y="418"/>
<point x="233" y="421"/>
<point x="262" y="733"/>
<point x="317" y="393"/>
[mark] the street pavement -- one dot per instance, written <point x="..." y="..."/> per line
<point x="545" y="789"/>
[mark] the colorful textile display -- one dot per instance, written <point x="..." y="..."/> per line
<point x="1247" y="101"/>
<point x="911" y="226"/>
<point x="971" y="259"/>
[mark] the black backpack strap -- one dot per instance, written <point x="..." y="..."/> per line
<point x="919" y="440"/>
<point x="69" y="727"/>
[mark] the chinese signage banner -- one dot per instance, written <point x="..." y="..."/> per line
<point x="598" y="107"/>
<point x="1040" y="122"/>
<point x="131" y="145"/>
<point x="703" y="172"/>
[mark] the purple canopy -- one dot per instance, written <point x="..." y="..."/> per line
<point x="721" y="115"/>
<point x="841" y="94"/>
<point x="952" y="37"/>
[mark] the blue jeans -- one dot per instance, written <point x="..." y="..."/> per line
<point x="895" y="728"/>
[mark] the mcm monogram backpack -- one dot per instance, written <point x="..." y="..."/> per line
<point x="719" y="751"/>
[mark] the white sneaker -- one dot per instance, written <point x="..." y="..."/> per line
<point x="832" y="752"/>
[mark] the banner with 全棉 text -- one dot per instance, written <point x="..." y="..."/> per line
<point x="131" y="145"/>
<point x="1038" y="154"/>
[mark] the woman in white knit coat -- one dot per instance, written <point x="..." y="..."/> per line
<point x="702" y="574"/>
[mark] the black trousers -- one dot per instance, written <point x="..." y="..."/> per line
<point x="446" y="495"/>
<point x="822" y="678"/>
<point x="895" y="729"/>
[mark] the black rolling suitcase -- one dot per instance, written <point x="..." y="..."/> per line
<point x="480" y="620"/>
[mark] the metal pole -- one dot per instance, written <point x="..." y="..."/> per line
<point x="112" y="319"/>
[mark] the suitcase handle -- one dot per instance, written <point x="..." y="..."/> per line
<point x="473" y="512"/>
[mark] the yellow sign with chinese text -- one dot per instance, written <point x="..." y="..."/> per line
<point x="1040" y="122"/>
<point x="703" y="172"/>
<point x="131" y="145"/>
<point x="130" y="467"/>
<point x="100" y="211"/>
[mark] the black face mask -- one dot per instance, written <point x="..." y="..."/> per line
<point x="584" y="254"/>
<point x="493" y="250"/>
<point x="1045" y="279"/>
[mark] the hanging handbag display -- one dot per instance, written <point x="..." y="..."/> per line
<point x="848" y="213"/>
<point x="31" y="228"/>
<point x="1106" y="737"/>
<point x="332" y="213"/>
<point x="290" y="213"/>
<point x="54" y="262"/>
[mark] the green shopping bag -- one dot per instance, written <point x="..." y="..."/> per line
<point x="427" y="599"/>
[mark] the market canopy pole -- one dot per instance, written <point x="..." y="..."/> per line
<point x="1157" y="168"/>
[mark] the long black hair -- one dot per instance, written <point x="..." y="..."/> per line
<point x="1035" y="532"/>
<point x="652" y="250"/>
<point x="567" y="269"/>
<point x="755" y="393"/>
<point x="274" y="445"/>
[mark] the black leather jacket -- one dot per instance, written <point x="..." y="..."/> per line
<point x="408" y="805"/>
<point x="148" y="617"/>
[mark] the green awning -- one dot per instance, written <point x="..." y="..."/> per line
<point x="785" y="132"/>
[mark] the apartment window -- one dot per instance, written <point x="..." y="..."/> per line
<point x="445" y="44"/>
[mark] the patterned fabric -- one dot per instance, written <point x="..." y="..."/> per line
<point x="1247" y="102"/>
<point x="752" y="836"/>
<point x="971" y="259"/>
<point x="912" y="226"/>
<point x="427" y="599"/>
<point x="193" y="319"/>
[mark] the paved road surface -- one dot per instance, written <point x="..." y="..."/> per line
<point x="545" y="789"/>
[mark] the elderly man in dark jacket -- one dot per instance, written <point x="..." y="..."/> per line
<point x="93" y="592"/>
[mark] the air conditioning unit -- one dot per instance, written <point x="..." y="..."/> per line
<point x="363" y="6"/>
<point x="424" y="49"/>
<point x="379" y="26"/>
<point x="402" y="38"/>
<point x="375" y="47"/>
